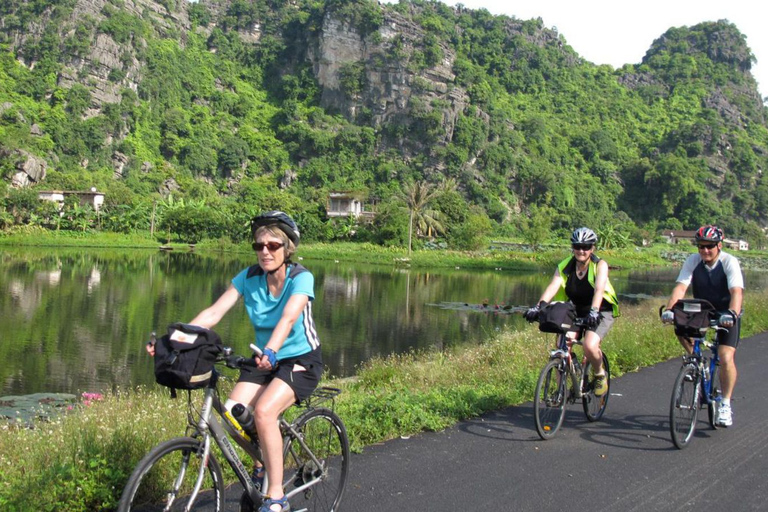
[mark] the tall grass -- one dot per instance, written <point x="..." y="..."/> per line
<point x="81" y="460"/>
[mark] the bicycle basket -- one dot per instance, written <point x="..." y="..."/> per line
<point x="557" y="317"/>
<point x="184" y="358"/>
<point x="692" y="317"/>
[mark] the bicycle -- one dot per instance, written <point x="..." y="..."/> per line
<point x="183" y="474"/>
<point x="697" y="385"/>
<point x="552" y="391"/>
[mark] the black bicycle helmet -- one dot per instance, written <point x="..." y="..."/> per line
<point x="279" y="219"/>
<point x="709" y="233"/>
<point x="583" y="236"/>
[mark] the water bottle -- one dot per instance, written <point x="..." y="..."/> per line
<point x="244" y="417"/>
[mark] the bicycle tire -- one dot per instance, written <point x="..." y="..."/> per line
<point x="594" y="406"/>
<point x="550" y="398"/>
<point x="713" y="404"/>
<point x="177" y="463"/>
<point x="684" y="406"/>
<point x="326" y="436"/>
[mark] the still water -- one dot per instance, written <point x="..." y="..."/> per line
<point x="77" y="320"/>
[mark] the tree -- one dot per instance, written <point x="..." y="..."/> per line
<point x="418" y="197"/>
<point x="538" y="226"/>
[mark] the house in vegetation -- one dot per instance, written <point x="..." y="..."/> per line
<point x="679" y="236"/>
<point x="736" y="245"/>
<point x="91" y="197"/>
<point x="347" y="204"/>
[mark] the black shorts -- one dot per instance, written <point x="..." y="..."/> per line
<point x="730" y="338"/>
<point x="302" y="382"/>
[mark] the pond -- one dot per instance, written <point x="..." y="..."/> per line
<point x="77" y="320"/>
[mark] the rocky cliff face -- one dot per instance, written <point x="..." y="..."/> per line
<point x="107" y="66"/>
<point x="388" y="85"/>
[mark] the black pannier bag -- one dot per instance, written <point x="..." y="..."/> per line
<point x="557" y="317"/>
<point x="184" y="358"/>
<point x="692" y="317"/>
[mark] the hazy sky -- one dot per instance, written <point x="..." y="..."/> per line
<point x="619" y="32"/>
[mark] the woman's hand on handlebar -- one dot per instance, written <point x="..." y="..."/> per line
<point x="150" y="346"/>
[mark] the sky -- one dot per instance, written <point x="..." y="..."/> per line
<point x="619" y="32"/>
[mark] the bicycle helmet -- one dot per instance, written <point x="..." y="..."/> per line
<point x="583" y="236"/>
<point x="279" y="219"/>
<point x="709" y="233"/>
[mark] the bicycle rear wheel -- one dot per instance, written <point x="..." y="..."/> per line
<point x="713" y="404"/>
<point x="684" y="406"/>
<point x="551" y="395"/>
<point x="594" y="406"/>
<point x="326" y="437"/>
<point x="164" y="479"/>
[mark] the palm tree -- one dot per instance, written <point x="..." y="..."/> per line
<point x="418" y="197"/>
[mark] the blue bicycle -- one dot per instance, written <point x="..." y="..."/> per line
<point x="697" y="385"/>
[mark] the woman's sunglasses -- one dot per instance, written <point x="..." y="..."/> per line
<point x="581" y="247"/>
<point x="271" y="246"/>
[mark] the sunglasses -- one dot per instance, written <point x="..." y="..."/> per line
<point x="707" y="246"/>
<point x="582" y="247"/>
<point x="271" y="246"/>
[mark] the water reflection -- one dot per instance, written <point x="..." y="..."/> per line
<point x="76" y="320"/>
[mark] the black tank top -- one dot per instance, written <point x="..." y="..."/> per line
<point x="580" y="292"/>
<point x="711" y="285"/>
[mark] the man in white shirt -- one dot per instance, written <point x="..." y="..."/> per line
<point x="715" y="276"/>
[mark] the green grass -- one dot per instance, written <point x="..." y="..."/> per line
<point x="82" y="459"/>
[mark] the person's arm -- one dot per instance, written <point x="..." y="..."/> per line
<point x="737" y="297"/>
<point x="678" y="292"/>
<point x="601" y="279"/>
<point x="553" y="287"/>
<point x="291" y="313"/>
<point x="211" y="315"/>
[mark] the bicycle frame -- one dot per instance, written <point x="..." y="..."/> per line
<point x="706" y="377"/>
<point x="208" y="426"/>
<point x="573" y="366"/>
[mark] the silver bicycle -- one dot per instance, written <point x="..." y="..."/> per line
<point x="183" y="474"/>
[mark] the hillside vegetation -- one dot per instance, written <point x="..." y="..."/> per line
<point x="190" y="117"/>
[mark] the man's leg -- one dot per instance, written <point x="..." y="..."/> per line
<point x="728" y="373"/>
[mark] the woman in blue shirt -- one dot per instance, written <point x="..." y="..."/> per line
<point x="278" y="297"/>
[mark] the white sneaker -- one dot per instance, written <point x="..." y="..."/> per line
<point x="725" y="416"/>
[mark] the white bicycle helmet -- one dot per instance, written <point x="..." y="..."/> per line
<point x="583" y="236"/>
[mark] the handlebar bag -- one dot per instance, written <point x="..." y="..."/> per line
<point x="692" y="317"/>
<point x="185" y="356"/>
<point x="557" y="317"/>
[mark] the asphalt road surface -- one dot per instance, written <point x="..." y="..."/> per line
<point x="625" y="462"/>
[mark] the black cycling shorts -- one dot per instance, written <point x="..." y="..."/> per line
<point x="301" y="373"/>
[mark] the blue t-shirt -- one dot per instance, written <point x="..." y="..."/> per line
<point x="265" y="311"/>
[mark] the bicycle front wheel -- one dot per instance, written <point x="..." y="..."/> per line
<point x="715" y="395"/>
<point x="318" y="459"/>
<point x="549" y="403"/>
<point x="594" y="406"/>
<point x="684" y="406"/>
<point x="166" y="477"/>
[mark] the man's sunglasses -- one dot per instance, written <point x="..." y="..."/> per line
<point x="707" y="246"/>
<point x="271" y="246"/>
<point x="581" y="247"/>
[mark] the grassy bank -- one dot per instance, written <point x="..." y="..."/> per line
<point x="83" y="459"/>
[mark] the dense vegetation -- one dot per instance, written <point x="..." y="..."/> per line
<point x="211" y="124"/>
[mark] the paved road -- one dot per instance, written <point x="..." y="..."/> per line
<point x="626" y="462"/>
